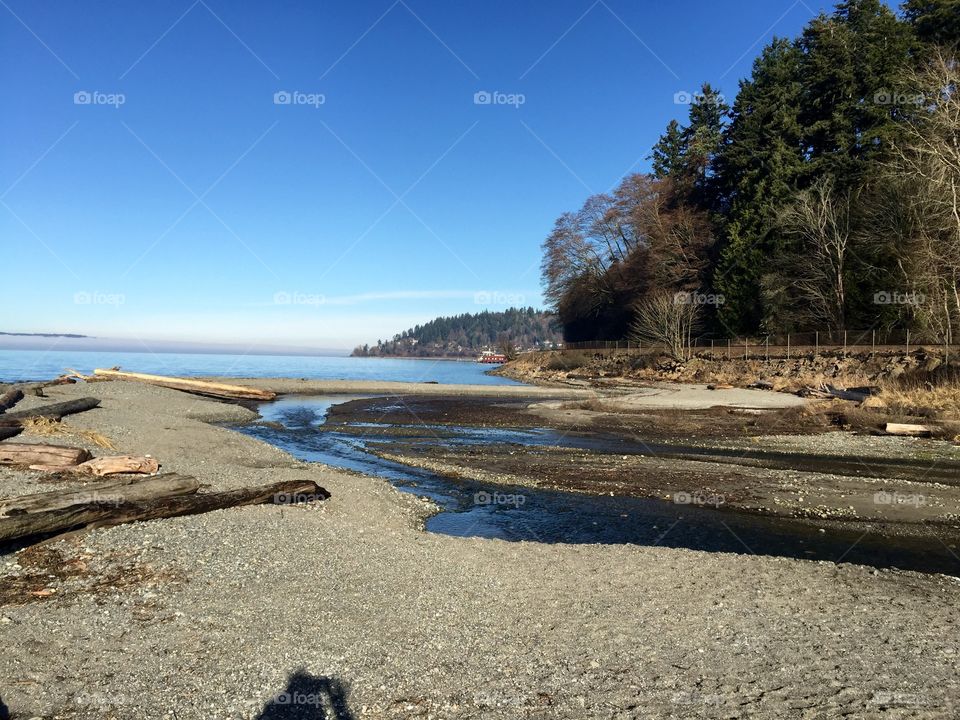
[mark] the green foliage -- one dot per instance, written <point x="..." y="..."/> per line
<point x="828" y="109"/>
<point x="469" y="334"/>
<point x="934" y="21"/>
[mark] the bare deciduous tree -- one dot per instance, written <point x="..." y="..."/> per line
<point x="819" y="221"/>
<point x="667" y="318"/>
<point x="926" y="171"/>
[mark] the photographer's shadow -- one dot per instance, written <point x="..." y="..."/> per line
<point x="309" y="698"/>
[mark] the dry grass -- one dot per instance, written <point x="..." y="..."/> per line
<point x="48" y="427"/>
<point x="935" y="402"/>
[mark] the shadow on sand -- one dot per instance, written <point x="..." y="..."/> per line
<point x="307" y="697"/>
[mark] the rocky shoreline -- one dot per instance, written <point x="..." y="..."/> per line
<point x="348" y="606"/>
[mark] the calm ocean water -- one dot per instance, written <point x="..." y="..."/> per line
<point x="23" y="365"/>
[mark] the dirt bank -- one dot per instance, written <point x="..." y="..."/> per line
<point x="803" y="369"/>
<point x="350" y="604"/>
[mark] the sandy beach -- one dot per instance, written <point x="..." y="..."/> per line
<point x="348" y="609"/>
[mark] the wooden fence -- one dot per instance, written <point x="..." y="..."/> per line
<point x="781" y="346"/>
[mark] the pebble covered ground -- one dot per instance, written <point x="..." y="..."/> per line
<point x="347" y="609"/>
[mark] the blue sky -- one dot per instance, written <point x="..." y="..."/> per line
<point x="154" y="185"/>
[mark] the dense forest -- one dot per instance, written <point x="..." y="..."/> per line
<point x="825" y="196"/>
<point x="469" y="334"/>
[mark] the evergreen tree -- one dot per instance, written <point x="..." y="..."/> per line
<point x="934" y="21"/>
<point x="669" y="152"/>
<point x="758" y="167"/>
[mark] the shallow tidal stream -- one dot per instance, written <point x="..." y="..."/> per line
<point x="527" y="514"/>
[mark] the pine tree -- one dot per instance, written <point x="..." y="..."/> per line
<point x="669" y="152"/>
<point x="934" y="21"/>
<point x="758" y="167"/>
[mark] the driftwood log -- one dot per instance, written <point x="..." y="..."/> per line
<point x="9" y="432"/>
<point x="53" y="410"/>
<point x="908" y="430"/>
<point x="99" y="514"/>
<point x="41" y="454"/>
<point x="10" y="398"/>
<point x="106" y="492"/>
<point x="197" y="387"/>
<point x="37" y="388"/>
<point x="109" y="465"/>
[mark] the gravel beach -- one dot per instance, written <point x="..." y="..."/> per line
<point x="348" y="609"/>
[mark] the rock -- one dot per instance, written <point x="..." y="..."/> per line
<point x="873" y="402"/>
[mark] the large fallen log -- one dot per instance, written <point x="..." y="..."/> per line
<point x="197" y="387"/>
<point x="9" y="432"/>
<point x="109" y="465"/>
<point x="100" y="514"/>
<point x="53" y="410"/>
<point x="37" y="388"/>
<point x="10" y="398"/>
<point x="41" y="454"/>
<point x="908" y="430"/>
<point x="115" y="492"/>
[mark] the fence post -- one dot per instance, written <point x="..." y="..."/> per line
<point x="844" y="343"/>
<point x="816" y="350"/>
<point x="767" y="346"/>
<point x="908" y="341"/>
<point x="711" y="347"/>
<point x="728" y="348"/>
<point x="873" y="342"/>
<point x="788" y="346"/>
<point x="745" y="343"/>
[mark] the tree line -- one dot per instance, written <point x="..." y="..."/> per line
<point x="470" y="333"/>
<point x="825" y="196"/>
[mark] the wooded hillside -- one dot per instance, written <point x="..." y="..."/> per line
<point x="469" y="334"/>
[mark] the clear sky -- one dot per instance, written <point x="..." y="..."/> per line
<point x="324" y="173"/>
